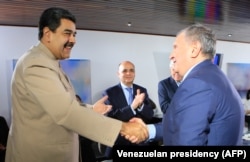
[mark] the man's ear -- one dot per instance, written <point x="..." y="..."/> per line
<point x="46" y="34"/>
<point x="196" y="48"/>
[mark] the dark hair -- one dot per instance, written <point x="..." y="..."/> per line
<point x="51" y="18"/>
<point x="248" y="94"/>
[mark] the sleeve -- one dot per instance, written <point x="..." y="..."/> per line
<point x="194" y="109"/>
<point x="45" y="86"/>
<point x="123" y="113"/>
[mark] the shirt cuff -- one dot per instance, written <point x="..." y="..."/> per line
<point x="151" y="131"/>
<point x="140" y="108"/>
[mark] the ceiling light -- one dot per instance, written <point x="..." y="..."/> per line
<point x="129" y="24"/>
<point x="229" y="35"/>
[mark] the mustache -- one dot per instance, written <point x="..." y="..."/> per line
<point x="69" y="44"/>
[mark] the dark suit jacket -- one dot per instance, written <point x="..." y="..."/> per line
<point x="166" y="91"/>
<point x="120" y="108"/>
<point x="205" y="110"/>
<point x="122" y="111"/>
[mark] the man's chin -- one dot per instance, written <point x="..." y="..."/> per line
<point x="65" y="56"/>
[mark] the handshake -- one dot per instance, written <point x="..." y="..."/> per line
<point x="135" y="130"/>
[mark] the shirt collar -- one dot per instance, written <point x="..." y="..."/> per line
<point x="124" y="86"/>
<point x="184" y="77"/>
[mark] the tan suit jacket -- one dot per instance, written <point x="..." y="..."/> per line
<point x="46" y="117"/>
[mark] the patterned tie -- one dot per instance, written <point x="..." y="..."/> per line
<point x="130" y="97"/>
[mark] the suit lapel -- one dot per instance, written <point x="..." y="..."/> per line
<point x="65" y="80"/>
<point x="121" y="95"/>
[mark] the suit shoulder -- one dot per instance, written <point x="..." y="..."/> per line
<point x="112" y="88"/>
<point x="35" y="58"/>
<point x="168" y="79"/>
<point x="136" y="86"/>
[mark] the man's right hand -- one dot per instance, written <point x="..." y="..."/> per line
<point x="135" y="130"/>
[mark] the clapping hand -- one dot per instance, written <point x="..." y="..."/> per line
<point x="100" y="106"/>
<point x="138" y="100"/>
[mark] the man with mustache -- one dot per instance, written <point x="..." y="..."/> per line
<point x="46" y="117"/>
